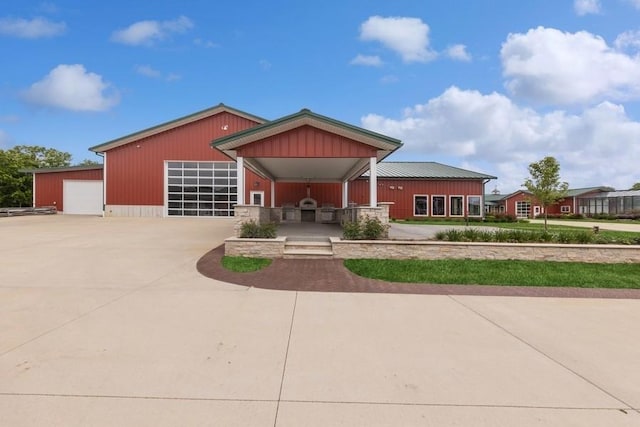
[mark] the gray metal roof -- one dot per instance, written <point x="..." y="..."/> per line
<point x="425" y="170"/>
<point x="63" y="169"/>
<point x="579" y="191"/>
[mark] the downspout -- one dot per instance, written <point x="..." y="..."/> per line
<point x="484" y="182"/>
<point x="104" y="181"/>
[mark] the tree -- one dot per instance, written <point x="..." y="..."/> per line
<point x="15" y="186"/>
<point x="544" y="183"/>
<point x="636" y="186"/>
<point x="88" y="162"/>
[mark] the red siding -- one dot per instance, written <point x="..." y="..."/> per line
<point x="306" y="141"/>
<point x="49" y="185"/>
<point x="135" y="172"/>
<point x="323" y="193"/>
<point x="254" y="182"/>
<point x="402" y="207"/>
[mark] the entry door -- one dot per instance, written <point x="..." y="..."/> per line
<point x="257" y="198"/>
<point x="536" y="211"/>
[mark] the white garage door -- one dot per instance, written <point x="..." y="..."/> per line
<point x="82" y="197"/>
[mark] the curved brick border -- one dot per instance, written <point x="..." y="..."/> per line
<point x="332" y="276"/>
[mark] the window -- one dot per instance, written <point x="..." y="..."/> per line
<point x="437" y="205"/>
<point x="420" y="205"/>
<point x="201" y="188"/>
<point x="565" y="209"/>
<point x="523" y="209"/>
<point x="456" y="206"/>
<point x="257" y="198"/>
<point x="473" y="205"/>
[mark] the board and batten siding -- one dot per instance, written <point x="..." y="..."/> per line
<point x="135" y="171"/>
<point x="49" y="185"/>
<point x="401" y="191"/>
<point x="306" y="141"/>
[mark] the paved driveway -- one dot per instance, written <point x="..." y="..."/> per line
<point x="107" y="322"/>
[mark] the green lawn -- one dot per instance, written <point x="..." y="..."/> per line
<point x="241" y="264"/>
<point x="495" y="272"/>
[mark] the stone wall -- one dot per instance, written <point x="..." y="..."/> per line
<point x="255" y="248"/>
<point x="396" y="249"/>
<point x="391" y="249"/>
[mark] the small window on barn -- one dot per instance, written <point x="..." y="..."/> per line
<point x="565" y="209"/>
<point x="437" y="205"/>
<point x="420" y="205"/>
<point x="473" y="205"/>
<point x="457" y="206"/>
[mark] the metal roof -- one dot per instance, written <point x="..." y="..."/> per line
<point x="425" y="170"/>
<point x="579" y="191"/>
<point x="64" y="169"/>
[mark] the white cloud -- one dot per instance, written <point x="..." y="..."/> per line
<point x="367" y="60"/>
<point x="409" y="37"/>
<point x="31" y="29"/>
<point x="629" y="40"/>
<point x="458" y="52"/>
<point x="265" y="65"/>
<point x="549" y="66"/>
<point x="148" y="71"/>
<point x="152" y="73"/>
<point x="71" y="87"/>
<point x="205" y="43"/>
<point x="490" y="130"/>
<point x="585" y="7"/>
<point x="147" y="32"/>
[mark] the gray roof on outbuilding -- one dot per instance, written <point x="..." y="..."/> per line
<point x="425" y="170"/>
<point x="64" y="169"/>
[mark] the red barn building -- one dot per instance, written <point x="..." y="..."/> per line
<point x="206" y="163"/>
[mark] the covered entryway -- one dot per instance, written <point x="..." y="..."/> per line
<point x="82" y="197"/>
<point x="309" y="160"/>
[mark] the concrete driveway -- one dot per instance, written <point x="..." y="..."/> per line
<point x="106" y="322"/>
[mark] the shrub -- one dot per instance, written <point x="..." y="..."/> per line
<point x="367" y="228"/>
<point x="253" y="230"/>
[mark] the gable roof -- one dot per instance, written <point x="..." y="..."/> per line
<point x="425" y="170"/>
<point x="228" y="144"/>
<point x="220" y="108"/>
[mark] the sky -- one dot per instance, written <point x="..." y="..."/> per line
<point x="485" y="85"/>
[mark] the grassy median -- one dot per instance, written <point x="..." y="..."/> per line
<point x="496" y="272"/>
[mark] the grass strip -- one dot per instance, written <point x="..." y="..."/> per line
<point x="240" y="264"/>
<point x="499" y="272"/>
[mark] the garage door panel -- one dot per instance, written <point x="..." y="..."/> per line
<point x="82" y="197"/>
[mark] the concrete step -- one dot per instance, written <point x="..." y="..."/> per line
<point x="308" y="249"/>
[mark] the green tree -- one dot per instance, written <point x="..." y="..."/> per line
<point x="16" y="186"/>
<point x="636" y="186"/>
<point x="88" y="162"/>
<point x="544" y="183"/>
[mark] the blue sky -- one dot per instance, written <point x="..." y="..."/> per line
<point x="487" y="85"/>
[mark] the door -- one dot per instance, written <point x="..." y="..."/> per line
<point x="82" y="197"/>
<point x="257" y="198"/>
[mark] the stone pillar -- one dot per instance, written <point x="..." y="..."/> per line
<point x="246" y="213"/>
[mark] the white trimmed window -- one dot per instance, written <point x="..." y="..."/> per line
<point x="456" y="205"/>
<point x="438" y="205"/>
<point x="201" y="188"/>
<point x="474" y="205"/>
<point x="565" y="209"/>
<point x="420" y="205"/>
